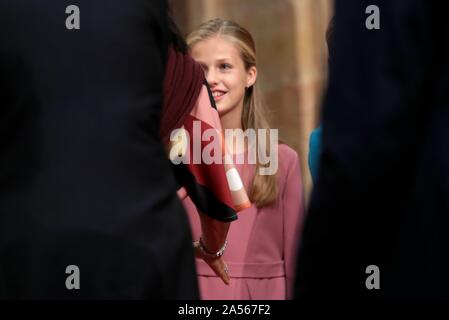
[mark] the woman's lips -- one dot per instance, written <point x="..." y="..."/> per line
<point x="218" y="95"/>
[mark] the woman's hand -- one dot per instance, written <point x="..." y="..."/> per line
<point x="181" y="193"/>
<point x="214" y="234"/>
<point x="217" y="264"/>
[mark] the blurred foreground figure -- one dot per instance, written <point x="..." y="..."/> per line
<point x="382" y="195"/>
<point x="84" y="179"/>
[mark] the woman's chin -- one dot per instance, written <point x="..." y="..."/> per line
<point x="228" y="111"/>
<point x="222" y="112"/>
<point x="220" y="109"/>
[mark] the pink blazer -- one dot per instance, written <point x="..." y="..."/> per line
<point x="262" y="243"/>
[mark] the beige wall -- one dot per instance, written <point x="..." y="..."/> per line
<point x="292" y="55"/>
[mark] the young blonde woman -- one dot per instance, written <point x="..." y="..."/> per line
<point x="262" y="243"/>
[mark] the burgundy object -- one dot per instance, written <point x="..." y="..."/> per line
<point x="182" y="85"/>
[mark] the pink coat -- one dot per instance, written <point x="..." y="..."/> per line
<point x="262" y="243"/>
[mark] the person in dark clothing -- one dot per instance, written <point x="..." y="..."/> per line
<point x="380" y="209"/>
<point x="84" y="178"/>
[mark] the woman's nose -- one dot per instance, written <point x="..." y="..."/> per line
<point x="211" y="77"/>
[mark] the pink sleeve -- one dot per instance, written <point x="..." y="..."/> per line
<point x="293" y="205"/>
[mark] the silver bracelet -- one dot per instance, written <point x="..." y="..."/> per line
<point x="213" y="255"/>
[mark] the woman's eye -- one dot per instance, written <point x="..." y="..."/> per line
<point x="225" y="66"/>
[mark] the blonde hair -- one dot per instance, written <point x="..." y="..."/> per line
<point x="264" y="189"/>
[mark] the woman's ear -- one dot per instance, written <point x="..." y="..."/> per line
<point x="251" y="76"/>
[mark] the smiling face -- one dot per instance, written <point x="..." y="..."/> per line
<point x="226" y="74"/>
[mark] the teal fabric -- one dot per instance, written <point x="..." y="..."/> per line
<point x="314" y="152"/>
